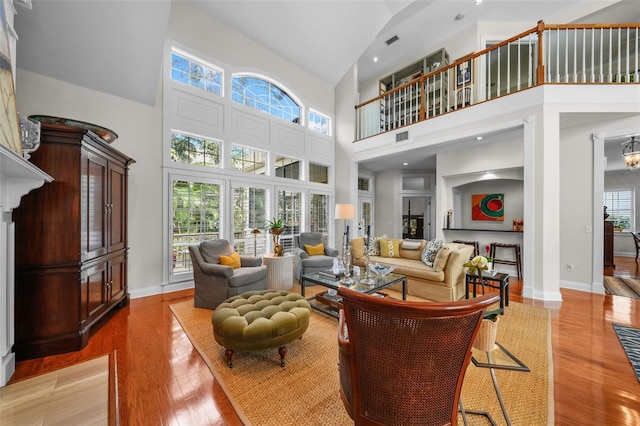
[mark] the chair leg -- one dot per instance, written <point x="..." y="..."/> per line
<point x="229" y="355"/>
<point x="282" y="350"/>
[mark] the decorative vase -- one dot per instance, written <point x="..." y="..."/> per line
<point x="486" y="338"/>
<point x="278" y="250"/>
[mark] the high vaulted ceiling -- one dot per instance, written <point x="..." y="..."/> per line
<point x="116" y="46"/>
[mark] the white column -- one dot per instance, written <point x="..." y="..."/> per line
<point x="17" y="178"/>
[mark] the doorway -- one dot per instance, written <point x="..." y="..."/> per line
<point x="416" y="214"/>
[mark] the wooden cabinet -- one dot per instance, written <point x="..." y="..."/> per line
<point x="608" y="244"/>
<point x="71" y="243"/>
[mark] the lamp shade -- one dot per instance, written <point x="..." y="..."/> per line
<point x="345" y="211"/>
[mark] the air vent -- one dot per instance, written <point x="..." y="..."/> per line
<point x="402" y="136"/>
<point x="392" y="40"/>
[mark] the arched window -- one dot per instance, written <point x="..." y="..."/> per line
<point x="265" y="96"/>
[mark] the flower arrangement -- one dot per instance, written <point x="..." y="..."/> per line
<point x="487" y="249"/>
<point x="478" y="263"/>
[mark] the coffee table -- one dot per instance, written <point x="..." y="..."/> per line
<point x="330" y="305"/>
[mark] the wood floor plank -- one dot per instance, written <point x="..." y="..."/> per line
<point x="162" y="380"/>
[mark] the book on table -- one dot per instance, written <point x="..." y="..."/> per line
<point x="328" y="273"/>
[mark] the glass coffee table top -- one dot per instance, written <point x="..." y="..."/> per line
<point x="380" y="283"/>
<point x="330" y="304"/>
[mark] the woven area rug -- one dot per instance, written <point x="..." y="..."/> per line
<point x="628" y="287"/>
<point x="630" y="340"/>
<point x="306" y="391"/>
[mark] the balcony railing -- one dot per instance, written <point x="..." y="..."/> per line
<point x="546" y="54"/>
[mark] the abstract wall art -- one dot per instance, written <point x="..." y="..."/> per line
<point x="487" y="207"/>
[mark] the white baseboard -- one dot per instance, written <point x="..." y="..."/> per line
<point x="597" y="288"/>
<point x="159" y="289"/>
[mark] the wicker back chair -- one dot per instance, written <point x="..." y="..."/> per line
<point x="403" y="363"/>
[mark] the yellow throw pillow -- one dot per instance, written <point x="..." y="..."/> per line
<point x="390" y="248"/>
<point x="357" y="247"/>
<point x="233" y="260"/>
<point x="314" y="250"/>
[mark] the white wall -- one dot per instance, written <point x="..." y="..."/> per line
<point x="139" y="126"/>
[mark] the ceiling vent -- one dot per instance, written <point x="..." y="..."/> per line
<point x="402" y="136"/>
<point x="392" y="40"/>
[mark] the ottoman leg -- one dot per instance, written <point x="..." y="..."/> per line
<point x="229" y="355"/>
<point x="282" y="350"/>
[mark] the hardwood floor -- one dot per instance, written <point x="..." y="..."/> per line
<point x="162" y="379"/>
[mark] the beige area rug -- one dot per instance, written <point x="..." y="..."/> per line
<point x="618" y="286"/>
<point x="306" y="391"/>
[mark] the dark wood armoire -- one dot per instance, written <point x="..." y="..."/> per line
<point x="71" y="242"/>
<point x="608" y="244"/>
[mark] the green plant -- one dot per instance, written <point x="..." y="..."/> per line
<point x="274" y="224"/>
<point x="477" y="263"/>
<point x="493" y="315"/>
<point x="621" y="222"/>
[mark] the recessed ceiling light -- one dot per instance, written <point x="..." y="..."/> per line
<point x="479" y="2"/>
<point x="405" y="164"/>
<point x="478" y="138"/>
<point x="375" y="59"/>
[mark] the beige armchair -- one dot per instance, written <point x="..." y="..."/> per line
<point x="214" y="282"/>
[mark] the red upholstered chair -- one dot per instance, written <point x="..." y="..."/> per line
<point x="403" y="363"/>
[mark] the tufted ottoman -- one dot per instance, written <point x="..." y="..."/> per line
<point x="258" y="320"/>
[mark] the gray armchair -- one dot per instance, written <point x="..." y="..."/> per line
<point x="215" y="283"/>
<point x="306" y="264"/>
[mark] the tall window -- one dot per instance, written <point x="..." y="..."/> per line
<point x="196" y="217"/>
<point x="264" y="96"/>
<point x="620" y="208"/>
<point x="248" y="160"/>
<point x="195" y="73"/>
<point x="319" y="122"/>
<point x="189" y="149"/>
<point x="319" y="214"/>
<point x="318" y="173"/>
<point x="249" y="213"/>
<point x="290" y="211"/>
<point x="288" y="167"/>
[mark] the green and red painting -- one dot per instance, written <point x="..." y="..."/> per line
<point x="487" y="207"/>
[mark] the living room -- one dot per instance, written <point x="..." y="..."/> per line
<point x="555" y="215"/>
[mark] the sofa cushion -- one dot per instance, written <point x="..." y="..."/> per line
<point x="233" y="260"/>
<point x="430" y="251"/>
<point x="442" y="257"/>
<point x="374" y="245"/>
<point x="357" y="247"/>
<point x="390" y="248"/>
<point x="314" y="250"/>
<point x="411" y="244"/>
<point x="411" y="268"/>
<point x="412" y="253"/>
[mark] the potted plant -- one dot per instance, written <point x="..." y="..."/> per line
<point x="275" y="227"/>
<point x="620" y="223"/>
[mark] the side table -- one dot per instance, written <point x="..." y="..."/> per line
<point x="279" y="271"/>
<point x="498" y="281"/>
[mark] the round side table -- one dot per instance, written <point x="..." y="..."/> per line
<point x="279" y="271"/>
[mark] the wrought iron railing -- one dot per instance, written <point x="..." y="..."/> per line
<point x="546" y="54"/>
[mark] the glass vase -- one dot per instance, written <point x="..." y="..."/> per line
<point x="347" y="280"/>
<point x="368" y="275"/>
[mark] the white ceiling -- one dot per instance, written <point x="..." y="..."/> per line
<point x="116" y="47"/>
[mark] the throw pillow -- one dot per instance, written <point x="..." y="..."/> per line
<point x="441" y="258"/>
<point x="411" y="244"/>
<point x="390" y="248"/>
<point x="357" y="247"/>
<point x="430" y="251"/>
<point x="374" y="245"/>
<point x="314" y="250"/>
<point x="233" y="260"/>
